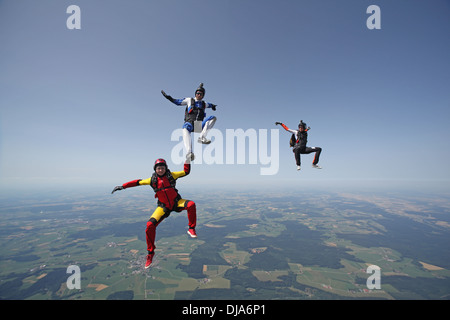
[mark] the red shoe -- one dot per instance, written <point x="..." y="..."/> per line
<point x="149" y="260"/>
<point x="192" y="233"/>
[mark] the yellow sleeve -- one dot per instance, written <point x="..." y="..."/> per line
<point x="178" y="174"/>
<point x="145" y="182"/>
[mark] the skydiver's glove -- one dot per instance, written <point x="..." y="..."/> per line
<point x="213" y="106"/>
<point x="117" y="189"/>
<point x="167" y="96"/>
<point x="278" y="123"/>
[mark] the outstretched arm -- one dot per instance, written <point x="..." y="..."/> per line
<point x="168" y="97"/>
<point x="178" y="102"/>
<point x="129" y="184"/>
<point x="211" y="105"/>
<point x="286" y="128"/>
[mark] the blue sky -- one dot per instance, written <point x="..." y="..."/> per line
<point x="83" y="107"/>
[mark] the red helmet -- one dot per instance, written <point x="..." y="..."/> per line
<point x="159" y="162"/>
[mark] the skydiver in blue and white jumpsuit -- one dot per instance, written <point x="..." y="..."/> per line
<point x="195" y="111"/>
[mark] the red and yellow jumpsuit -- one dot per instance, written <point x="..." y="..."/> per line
<point x="168" y="200"/>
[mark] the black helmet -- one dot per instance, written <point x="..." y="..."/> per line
<point x="201" y="89"/>
<point x="159" y="162"/>
<point x="302" y="124"/>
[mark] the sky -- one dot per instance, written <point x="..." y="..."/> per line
<point x="83" y="107"/>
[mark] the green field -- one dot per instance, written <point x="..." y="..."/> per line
<point x="310" y="247"/>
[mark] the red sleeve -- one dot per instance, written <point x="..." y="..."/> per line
<point x="285" y="127"/>
<point x="130" y="184"/>
<point x="187" y="168"/>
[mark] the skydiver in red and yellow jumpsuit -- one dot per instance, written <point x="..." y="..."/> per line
<point x="163" y="183"/>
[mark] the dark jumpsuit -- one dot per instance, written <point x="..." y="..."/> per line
<point x="300" y="145"/>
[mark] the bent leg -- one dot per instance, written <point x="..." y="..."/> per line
<point x="317" y="150"/>
<point x="187" y="138"/>
<point x="187" y="129"/>
<point x="207" y="125"/>
<point x="317" y="155"/>
<point x="297" y="156"/>
<point x="150" y="231"/>
<point x="189" y="205"/>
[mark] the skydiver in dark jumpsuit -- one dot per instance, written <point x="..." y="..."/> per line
<point x="300" y="144"/>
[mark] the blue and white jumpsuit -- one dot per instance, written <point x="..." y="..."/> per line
<point x="195" y="113"/>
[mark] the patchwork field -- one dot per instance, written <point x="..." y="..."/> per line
<point x="314" y="246"/>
